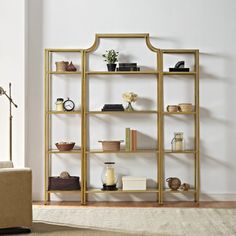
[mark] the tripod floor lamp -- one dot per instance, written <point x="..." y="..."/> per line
<point x="3" y="92"/>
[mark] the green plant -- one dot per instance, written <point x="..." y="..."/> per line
<point x="111" y="56"/>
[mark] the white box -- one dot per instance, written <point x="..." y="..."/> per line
<point x="134" y="183"/>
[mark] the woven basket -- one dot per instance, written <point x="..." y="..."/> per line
<point x="186" y="107"/>
<point x="61" y="66"/>
<point x="111" y="145"/>
<point x="172" y="108"/>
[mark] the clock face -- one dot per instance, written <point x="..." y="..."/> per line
<point x="69" y="105"/>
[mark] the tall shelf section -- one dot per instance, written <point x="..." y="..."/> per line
<point x="154" y="73"/>
<point x="195" y="191"/>
<point x="49" y="150"/>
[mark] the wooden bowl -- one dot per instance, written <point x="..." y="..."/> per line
<point x="63" y="146"/>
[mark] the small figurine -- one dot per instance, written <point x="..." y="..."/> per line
<point x="71" y="67"/>
<point x="185" y="187"/>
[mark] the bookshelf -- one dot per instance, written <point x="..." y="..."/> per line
<point x="159" y="75"/>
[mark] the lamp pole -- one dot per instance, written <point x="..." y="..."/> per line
<point x="3" y="92"/>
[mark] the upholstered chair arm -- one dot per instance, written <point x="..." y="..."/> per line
<point x="15" y="197"/>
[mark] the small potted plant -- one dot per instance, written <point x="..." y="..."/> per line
<point x="111" y="57"/>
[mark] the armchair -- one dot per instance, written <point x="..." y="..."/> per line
<point x="15" y="198"/>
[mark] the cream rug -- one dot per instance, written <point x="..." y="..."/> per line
<point x="143" y="221"/>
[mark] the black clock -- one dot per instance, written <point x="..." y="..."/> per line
<point x="68" y="105"/>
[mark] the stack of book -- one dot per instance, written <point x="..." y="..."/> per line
<point x="128" y="67"/>
<point x="130" y="139"/>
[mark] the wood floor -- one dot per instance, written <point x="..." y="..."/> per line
<point x="206" y="204"/>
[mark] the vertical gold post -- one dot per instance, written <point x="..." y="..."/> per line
<point x="160" y="126"/>
<point x="46" y="124"/>
<point x="84" y="128"/>
<point x="197" y="129"/>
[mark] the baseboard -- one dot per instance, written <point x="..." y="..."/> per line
<point x="218" y="197"/>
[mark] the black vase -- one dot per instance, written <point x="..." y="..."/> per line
<point x="111" y="67"/>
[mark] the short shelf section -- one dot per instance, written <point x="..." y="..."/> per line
<point x="190" y="191"/>
<point x="183" y="152"/>
<point x="120" y="112"/>
<point x="73" y="151"/>
<point x="144" y="72"/>
<point x="65" y="191"/>
<point x="150" y="190"/>
<point x="179" y="113"/>
<point x="123" y="151"/>
<point x="64" y="112"/>
<point x="64" y="72"/>
<point x="179" y="73"/>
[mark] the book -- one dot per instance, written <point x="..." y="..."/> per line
<point x="127" y="139"/>
<point x="134" y="140"/>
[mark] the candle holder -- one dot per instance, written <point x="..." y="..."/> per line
<point x="109" y="177"/>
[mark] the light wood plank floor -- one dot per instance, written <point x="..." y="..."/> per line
<point x="206" y="204"/>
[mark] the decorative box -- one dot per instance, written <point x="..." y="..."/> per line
<point x="57" y="183"/>
<point x="134" y="183"/>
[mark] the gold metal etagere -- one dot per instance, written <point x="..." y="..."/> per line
<point x="49" y="112"/>
<point x="160" y="113"/>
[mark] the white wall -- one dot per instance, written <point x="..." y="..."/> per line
<point x="12" y="61"/>
<point x="207" y="25"/>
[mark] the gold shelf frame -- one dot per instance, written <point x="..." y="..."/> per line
<point x="160" y="152"/>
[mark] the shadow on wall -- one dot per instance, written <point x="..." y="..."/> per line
<point x="34" y="97"/>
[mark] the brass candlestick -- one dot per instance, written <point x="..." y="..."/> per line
<point x="3" y="92"/>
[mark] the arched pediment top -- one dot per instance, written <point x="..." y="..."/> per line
<point x="144" y="36"/>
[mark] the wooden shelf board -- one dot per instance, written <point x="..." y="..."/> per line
<point x="64" y="112"/>
<point x="144" y="72"/>
<point x="123" y="151"/>
<point x="179" y="113"/>
<point x="122" y="191"/>
<point x="73" y="151"/>
<point x="190" y="191"/>
<point x="65" y="191"/>
<point x="65" y="73"/>
<point x="179" y="73"/>
<point x="180" y="152"/>
<point x="179" y="51"/>
<point x="120" y="112"/>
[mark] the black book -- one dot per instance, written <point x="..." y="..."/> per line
<point x="113" y="107"/>
<point x="179" y="69"/>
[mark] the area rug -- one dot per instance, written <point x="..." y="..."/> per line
<point x="143" y="221"/>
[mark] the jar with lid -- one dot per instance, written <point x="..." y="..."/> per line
<point x="177" y="142"/>
<point x="109" y="177"/>
<point x="59" y="104"/>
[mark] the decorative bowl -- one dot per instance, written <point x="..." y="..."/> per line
<point x="186" y="107"/>
<point x="64" y="146"/>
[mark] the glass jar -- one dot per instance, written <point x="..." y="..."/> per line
<point x="109" y="177"/>
<point x="59" y="104"/>
<point x="177" y="142"/>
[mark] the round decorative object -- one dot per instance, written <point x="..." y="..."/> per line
<point x="173" y="183"/>
<point x="69" y="105"/>
<point x="111" y="145"/>
<point x="64" y="175"/>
